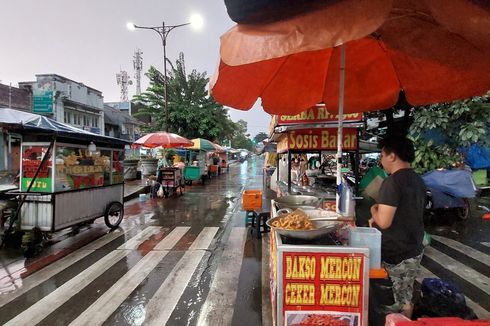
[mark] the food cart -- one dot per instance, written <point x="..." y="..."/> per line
<point x="68" y="176"/>
<point x="172" y="180"/>
<point x="314" y="131"/>
<point x="321" y="279"/>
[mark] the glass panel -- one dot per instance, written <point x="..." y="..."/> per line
<point x="77" y="168"/>
<point x="117" y="166"/>
<point x="31" y="160"/>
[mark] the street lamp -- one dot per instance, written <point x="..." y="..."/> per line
<point x="195" y="21"/>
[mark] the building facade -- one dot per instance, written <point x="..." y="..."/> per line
<point x="15" y="98"/>
<point x="67" y="101"/>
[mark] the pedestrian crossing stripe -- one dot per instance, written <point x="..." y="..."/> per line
<point x="220" y="300"/>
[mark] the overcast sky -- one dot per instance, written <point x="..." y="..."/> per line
<point x="88" y="41"/>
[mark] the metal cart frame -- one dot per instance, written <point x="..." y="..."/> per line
<point x="172" y="180"/>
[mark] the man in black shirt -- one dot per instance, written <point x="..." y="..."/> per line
<point x="398" y="213"/>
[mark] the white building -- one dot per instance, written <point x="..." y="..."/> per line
<point x="67" y="101"/>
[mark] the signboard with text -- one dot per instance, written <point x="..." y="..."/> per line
<point x="323" y="139"/>
<point x="316" y="114"/>
<point x="42" y="102"/>
<point x="323" y="288"/>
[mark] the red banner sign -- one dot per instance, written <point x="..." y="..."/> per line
<point x="317" y="139"/>
<point x="324" y="287"/>
<point x="317" y="114"/>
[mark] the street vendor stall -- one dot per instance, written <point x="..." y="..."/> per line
<point x="320" y="276"/>
<point x="308" y="137"/>
<point x="67" y="176"/>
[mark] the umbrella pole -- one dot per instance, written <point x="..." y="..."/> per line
<point x="340" y="126"/>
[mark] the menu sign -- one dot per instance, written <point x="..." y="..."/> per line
<point x="317" y="114"/>
<point x="318" y="139"/>
<point x="323" y="288"/>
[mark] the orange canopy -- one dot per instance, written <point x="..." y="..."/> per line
<point x="433" y="50"/>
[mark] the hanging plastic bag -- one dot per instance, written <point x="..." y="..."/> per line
<point x="160" y="192"/>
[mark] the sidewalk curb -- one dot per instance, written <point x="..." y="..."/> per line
<point x="137" y="192"/>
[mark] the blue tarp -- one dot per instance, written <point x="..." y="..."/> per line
<point x="448" y="187"/>
<point x="478" y="157"/>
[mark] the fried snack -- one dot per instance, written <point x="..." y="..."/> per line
<point x="323" y="320"/>
<point x="296" y="220"/>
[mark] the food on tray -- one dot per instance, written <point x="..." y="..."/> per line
<point x="296" y="220"/>
<point x="323" y="320"/>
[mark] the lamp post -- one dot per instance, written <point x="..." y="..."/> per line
<point x="163" y="31"/>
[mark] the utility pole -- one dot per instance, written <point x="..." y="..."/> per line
<point x="123" y="81"/>
<point x="138" y="67"/>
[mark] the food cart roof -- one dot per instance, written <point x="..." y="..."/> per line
<point x="25" y="122"/>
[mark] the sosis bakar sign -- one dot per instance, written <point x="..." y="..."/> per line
<point x="317" y="139"/>
<point x="323" y="281"/>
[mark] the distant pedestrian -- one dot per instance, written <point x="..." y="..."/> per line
<point x="398" y="213"/>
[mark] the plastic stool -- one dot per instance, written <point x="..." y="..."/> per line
<point x="249" y="218"/>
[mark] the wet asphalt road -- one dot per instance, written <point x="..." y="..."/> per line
<point x="189" y="260"/>
<point x="209" y="273"/>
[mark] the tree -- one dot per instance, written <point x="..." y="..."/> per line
<point x="260" y="137"/>
<point x="441" y="130"/>
<point x="192" y="112"/>
<point x="240" y="137"/>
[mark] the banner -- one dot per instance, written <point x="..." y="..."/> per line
<point x="323" y="288"/>
<point x="317" y="139"/>
<point x="316" y="114"/>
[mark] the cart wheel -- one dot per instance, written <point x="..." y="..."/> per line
<point x="114" y="214"/>
<point x="463" y="213"/>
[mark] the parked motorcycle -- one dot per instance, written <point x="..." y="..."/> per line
<point x="449" y="191"/>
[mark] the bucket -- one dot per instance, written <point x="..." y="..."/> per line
<point x="367" y="238"/>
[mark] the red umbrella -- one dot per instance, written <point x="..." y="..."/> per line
<point x="356" y="56"/>
<point x="162" y="139"/>
<point x="218" y="148"/>
<point x="433" y="50"/>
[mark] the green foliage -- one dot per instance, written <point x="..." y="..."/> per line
<point x="260" y="137"/>
<point x="192" y="112"/>
<point x="429" y="156"/>
<point x="239" y="138"/>
<point x="462" y="123"/>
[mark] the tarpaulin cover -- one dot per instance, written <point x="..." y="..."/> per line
<point x="478" y="157"/>
<point x="446" y="183"/>
<point x="21" y="120"/>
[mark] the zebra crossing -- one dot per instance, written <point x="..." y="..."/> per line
<point x="70" y="291"/>
<point x="465" y="266"/>
<point x="190" y="248"/>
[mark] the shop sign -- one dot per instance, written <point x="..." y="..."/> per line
<point x="320" y="139"/>
<point x="39" y="185"/>
<point x="323" y="288"/>
<point x="317" y="114"/>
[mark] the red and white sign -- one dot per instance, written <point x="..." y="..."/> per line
<point x="323" y="288"/>
<point x="317" y="139"/>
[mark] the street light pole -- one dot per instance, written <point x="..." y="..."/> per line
<point x="163" y="31"/>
